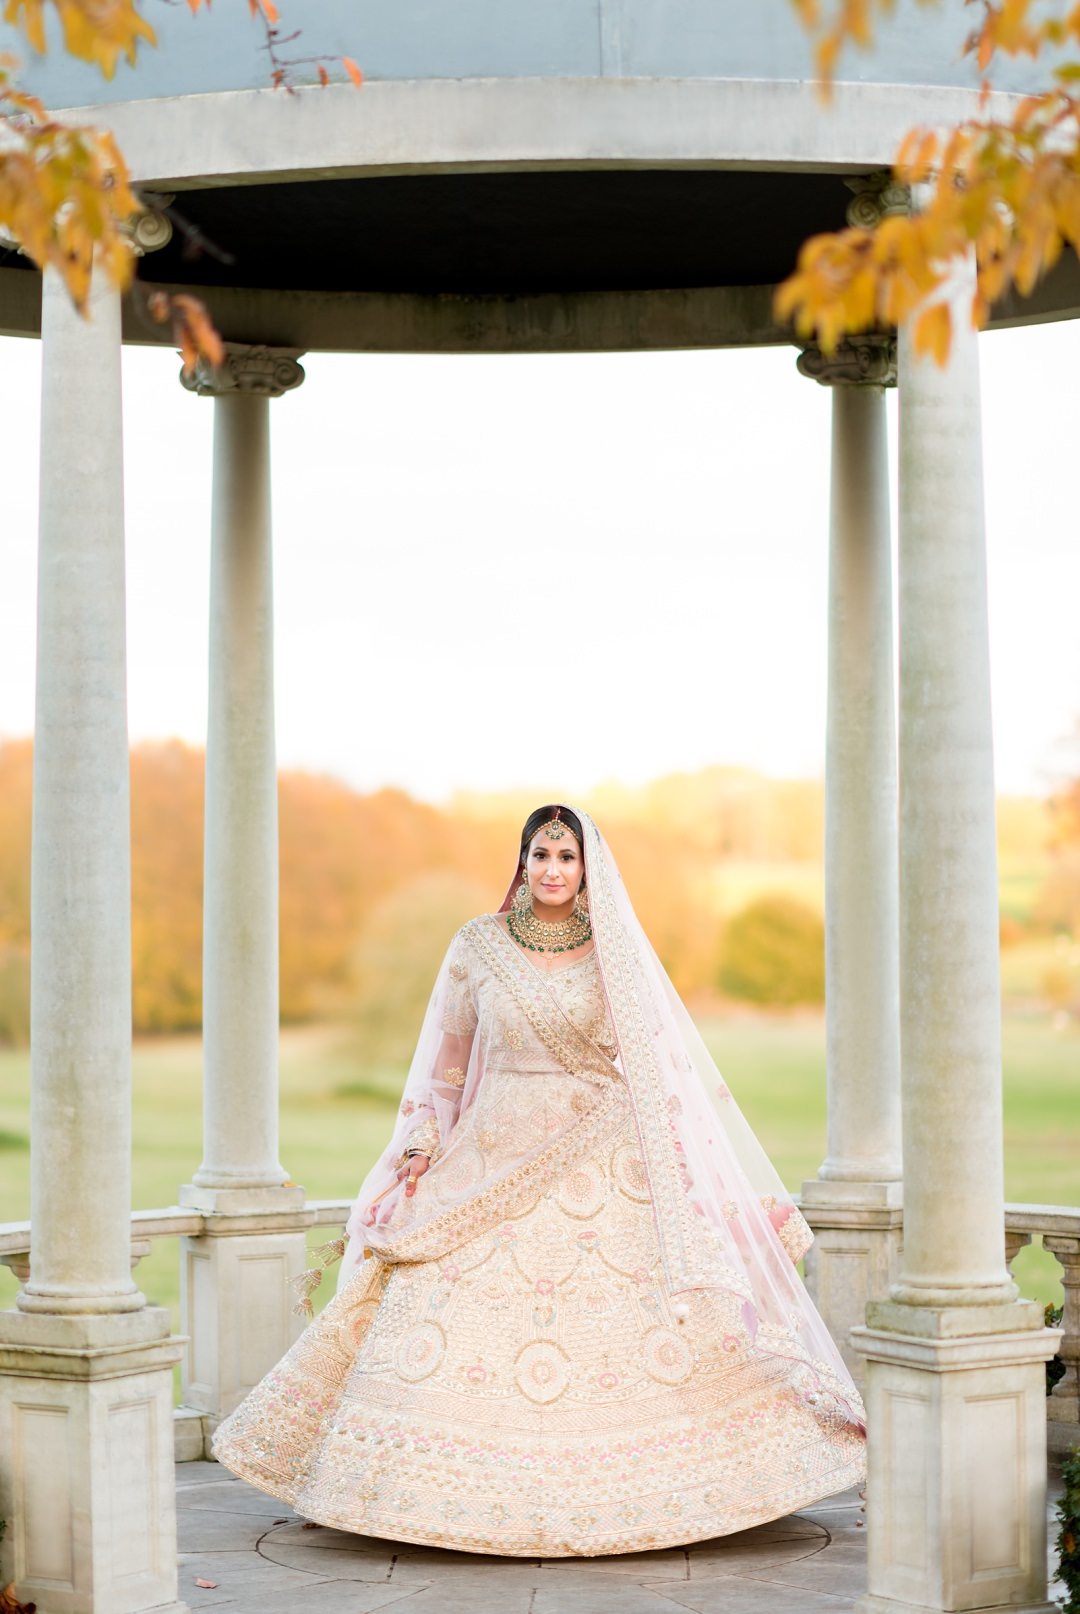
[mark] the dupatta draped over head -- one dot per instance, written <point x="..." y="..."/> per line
<point x="723" y="1218"/>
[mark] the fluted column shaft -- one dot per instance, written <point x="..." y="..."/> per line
<point x="240" y="892"/>
<point x="240" y="927"/>
<point x="861" y="920"/>
<point x="80" y="868"/>
<point x="853" y="1204"/>
<point x="954" y="1243"/>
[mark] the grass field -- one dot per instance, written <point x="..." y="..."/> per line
<point x="775" y="1066"/>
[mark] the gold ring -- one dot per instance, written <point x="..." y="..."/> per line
<point x="412" y="1180"/>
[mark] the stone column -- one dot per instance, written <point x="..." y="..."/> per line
<point x="955" y="1383"/>
<point x="235" y="1295"/>
<point x="85" y="1364"/>
<point x="853" y="1205"/>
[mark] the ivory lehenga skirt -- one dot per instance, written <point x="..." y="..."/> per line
<point x="537" y="1394"/>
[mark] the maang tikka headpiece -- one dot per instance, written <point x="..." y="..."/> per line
<point x="554" y="829"/>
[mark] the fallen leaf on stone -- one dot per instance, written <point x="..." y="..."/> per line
<point x="280" y="1521"/>
<point x="9" y="1603"/>
<point x="307" y="1525"/>
<point x="207" y="1585"/>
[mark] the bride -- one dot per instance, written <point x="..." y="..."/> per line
<point x="568" y="1319"/>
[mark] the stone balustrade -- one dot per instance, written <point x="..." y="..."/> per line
<point x="1057" y="1226"/>
<point x="193" y="1425"/>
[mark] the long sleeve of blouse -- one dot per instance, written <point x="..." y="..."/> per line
<point x="437" y="1110"/>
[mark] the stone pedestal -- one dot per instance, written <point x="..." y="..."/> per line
<point x="855" y="1257"/>
<point x="237" y="1299"/>
<point x="854" y="1203"/>
<point x="86" y="1426"/>
<point x="957" y="1454"/>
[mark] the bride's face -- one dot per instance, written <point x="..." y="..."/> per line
<point x="554" y="870"/>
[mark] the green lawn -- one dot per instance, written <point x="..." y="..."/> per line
<point x="775" y="1067"/>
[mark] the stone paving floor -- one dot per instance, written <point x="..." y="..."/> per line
<point x="263" y="1561"/>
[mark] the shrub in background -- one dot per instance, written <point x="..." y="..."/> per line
<point x="773" y="953"/>
<point x="401" y="948"/>
<point x="14" y="997"/>
<point x="1068" y="1541"/>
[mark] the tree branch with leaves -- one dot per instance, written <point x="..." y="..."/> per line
<point x="1005" y="191"/>
<point x="66" y="198"/>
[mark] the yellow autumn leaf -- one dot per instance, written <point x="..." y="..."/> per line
<point x="933" y="331"/>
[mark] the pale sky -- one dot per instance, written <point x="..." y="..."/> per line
<point x="545" y="572"/>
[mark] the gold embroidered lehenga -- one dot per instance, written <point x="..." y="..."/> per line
<point x="584" y="1333"/>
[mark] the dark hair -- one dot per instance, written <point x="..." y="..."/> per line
<point x="543" y="815"/>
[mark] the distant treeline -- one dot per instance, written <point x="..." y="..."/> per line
<point x="373" y="886"/>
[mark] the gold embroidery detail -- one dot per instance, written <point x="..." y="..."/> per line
<point x="454" y="1076"/>
<point x="730" y="1208"/>
<point x="513" y="1038"/>
<point x="795" y="1235"/>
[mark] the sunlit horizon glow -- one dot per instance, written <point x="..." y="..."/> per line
<point x="539" y="574"/>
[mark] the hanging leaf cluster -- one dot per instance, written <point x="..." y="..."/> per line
<point x="65" y="196"/>
<point x="1001" y="192"/>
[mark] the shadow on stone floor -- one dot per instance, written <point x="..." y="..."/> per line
<point x="262" y="1560"/>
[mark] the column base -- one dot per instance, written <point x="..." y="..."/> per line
<point x="240" y="1201"/>
<point x="237" y="1297"/>
<point x="957" y="1460"/>
<point x="86" y="1480"/>
<point x="858" y="1238"/>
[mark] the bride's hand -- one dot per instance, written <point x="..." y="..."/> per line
<point x="413" y="1168"/>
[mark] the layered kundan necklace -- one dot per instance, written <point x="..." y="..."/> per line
<point x="560" y="936"/>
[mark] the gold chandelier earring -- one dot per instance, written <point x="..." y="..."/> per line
<point x="522" y="903"/>
<point x="581" y="902"/>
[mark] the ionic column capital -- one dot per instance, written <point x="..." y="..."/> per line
<point x="261" y="372"/>
<point x="865" y="360"/>
<point x="876" y="197"/>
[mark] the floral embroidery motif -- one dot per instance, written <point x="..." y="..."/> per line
<point x="419" y="1352"/>
<point x="454" y="1076"/>
<point x="795" y="1235"/>
<point x="542" y="1372"/>
<point x="668" y="1358"/>
<point x="513" y="1038"/>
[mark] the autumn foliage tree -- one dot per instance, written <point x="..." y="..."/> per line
<point x="66" y="198"/>
<point x="1001" y="190"/>
<point x="372" y="887"/>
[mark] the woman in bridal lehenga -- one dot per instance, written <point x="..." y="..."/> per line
<point x="568" y="1319"/>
